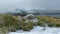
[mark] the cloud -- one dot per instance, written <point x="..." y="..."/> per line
<point x="29" y="4"/>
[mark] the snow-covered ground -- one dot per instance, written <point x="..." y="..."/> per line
<point x="39" y="30"/>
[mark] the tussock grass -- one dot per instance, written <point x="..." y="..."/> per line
<point x="11" y="23"/>
<point x="51" y="21"/>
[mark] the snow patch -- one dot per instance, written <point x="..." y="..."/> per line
<point x="39" y="30"/>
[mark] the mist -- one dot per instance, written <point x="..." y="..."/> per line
<point x="10" y="5"/>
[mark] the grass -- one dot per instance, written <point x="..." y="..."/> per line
<point x="51" y="21"/>
<point x="10" y="23"/>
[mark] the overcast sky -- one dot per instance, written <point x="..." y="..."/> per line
<point x="29" y="4"/>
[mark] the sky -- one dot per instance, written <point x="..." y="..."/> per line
<point x="7" y="5"/>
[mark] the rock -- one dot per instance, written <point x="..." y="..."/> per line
<point x="30" y="17"/>
<point x="20" y="18"/>
<point x="34" y="20"/>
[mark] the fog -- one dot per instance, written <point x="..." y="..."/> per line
<point x="10" y="5"/>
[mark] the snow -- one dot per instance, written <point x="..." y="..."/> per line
<point x="39" y="30"/>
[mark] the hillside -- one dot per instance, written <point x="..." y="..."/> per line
<point x="11" y="23"/>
